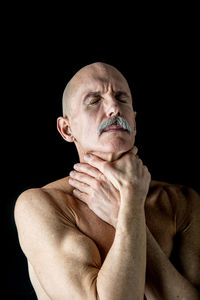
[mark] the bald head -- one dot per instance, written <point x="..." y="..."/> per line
<point x="83" y="76"/>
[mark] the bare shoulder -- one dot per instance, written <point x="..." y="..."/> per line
<point x="53" y="198"/>
<point x="183" y="200"/>
<point x="61" y="256"/>
<point x="176" y="193"/>
<point x="46" y="219"/>
<point x="48" y="208"/>
<point x="32" y="199"/>
<point x="158" y="196"/>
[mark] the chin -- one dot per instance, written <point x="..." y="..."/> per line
<point x="117" y="140"/>
<point x="117" y="145"/>
<point x="112" y="151"/>
<point x="121" y="149"/>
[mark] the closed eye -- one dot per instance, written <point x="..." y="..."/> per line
<point x="122" y="97"/>
<point x="94" y="100"/>
<point x="121" y="100"/>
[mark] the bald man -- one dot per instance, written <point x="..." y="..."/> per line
<point x="108" y="231"/>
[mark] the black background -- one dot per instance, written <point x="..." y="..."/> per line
<point x="158" y="54"/>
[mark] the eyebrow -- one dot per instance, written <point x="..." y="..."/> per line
<point x="121" y="93"/>
<point x="98" y="93"/>
<point x="91" y="94"/>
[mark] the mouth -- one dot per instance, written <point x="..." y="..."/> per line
<point x="114" y="128"/>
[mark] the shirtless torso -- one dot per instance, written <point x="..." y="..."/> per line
<point x="162" y="219"/>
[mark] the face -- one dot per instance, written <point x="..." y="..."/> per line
<point x="101" y="94"/>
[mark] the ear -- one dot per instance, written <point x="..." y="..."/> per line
<point x="135" y="114"/>
<point x="63" y="127"/>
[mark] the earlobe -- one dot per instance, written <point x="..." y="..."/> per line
<point x="64" y="129"/>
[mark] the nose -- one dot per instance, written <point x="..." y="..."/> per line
<point x="112" y="108"/>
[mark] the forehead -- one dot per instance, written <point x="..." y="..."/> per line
<point x="99" y="78"/>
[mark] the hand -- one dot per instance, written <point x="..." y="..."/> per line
<point x="100" y="194"/>
<point x="93" y="188"/>
<point x="126" y="174"/>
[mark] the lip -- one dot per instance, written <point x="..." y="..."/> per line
<point x="114" y="128"/>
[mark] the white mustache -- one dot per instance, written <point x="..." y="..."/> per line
<point x="114" y="121"/>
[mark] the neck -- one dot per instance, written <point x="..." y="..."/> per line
<point x="111" y="156"/>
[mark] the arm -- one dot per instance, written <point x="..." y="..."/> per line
<point x="65" y="261"/>
<point x="122" y="275"/>
<point x="68" y="264"/>
<point x="164" y="279"/>
<point x="182" y="279"/>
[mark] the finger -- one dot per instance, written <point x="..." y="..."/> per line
<point x="83" y="178"/>
<point x="95" y="161"/>
<point x="134" y="150"/>
<point x="81" y="196"/>
<point x="79" y="185"/>
<point x="90" y="170"/>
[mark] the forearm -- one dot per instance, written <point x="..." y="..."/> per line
<point x="122" y="275"/>
<point x="163" y="280"/>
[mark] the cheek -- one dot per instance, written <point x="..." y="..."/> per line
<point x="134" y="124"/>
<point x="83" y="129"/>
<point x="131" y="118"/>
<point x="76" y="126"/>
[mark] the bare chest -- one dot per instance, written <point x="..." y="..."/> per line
<point x="158" y="220"/>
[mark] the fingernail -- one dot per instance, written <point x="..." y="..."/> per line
<point x="70" y="180"/>
<point x="87" y="157"/>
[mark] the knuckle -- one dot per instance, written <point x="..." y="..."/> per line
<point x="74" y="174"/>
<point x="101" y="177"/>
<point x="82" y="185"/>
<point x="139" y="163"/>
<point x="145" y="168"/>
<point x="135" y="158"/>
<point x="104" y="166"/>
<point x="92" y="193"/>
<point x="97" y="184"/>
<point x="78" y="194"/>
<point x="89" y="202"/>
<point x="135" y="150"/>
